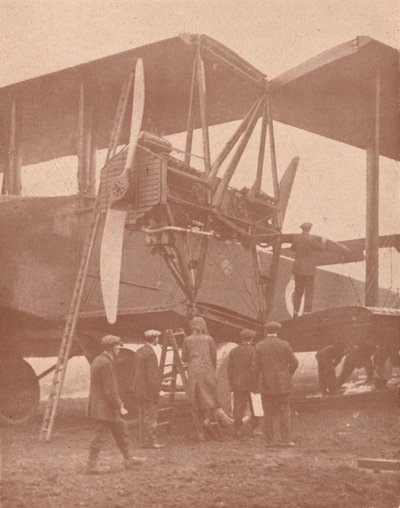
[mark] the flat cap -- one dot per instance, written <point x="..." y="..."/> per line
<point x="110" y="340"/>
<point x="247" y="334"/>
<point x="272" y="326"/>
<point x="306" y="226"/>
<point x="151" y="333"/>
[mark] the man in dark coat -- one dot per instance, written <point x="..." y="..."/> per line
<point x="328" y="358"/>
<point x="105" y="406"/>
<point x="241" y="365"/>
<point x="146" y="389"/>
<point x="357" y="357"/>
<point x="304" y="267"/>
<point x="275" y="366"/>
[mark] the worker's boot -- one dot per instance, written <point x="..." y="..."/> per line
<point x="222" y="418"/>
<point x="91" y="466"/>
<point x="129" y="460"/>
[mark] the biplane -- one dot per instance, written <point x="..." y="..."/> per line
<point x="173" y="237"/>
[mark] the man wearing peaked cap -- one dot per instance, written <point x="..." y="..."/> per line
<point x="241" y="376"/>
<point x="105" y="405"/>
<point x="275" y="366"/>
<point x="304" y="246"/>
<point x="306" y="226"/>
<point x="272" y="327"/>
<point x="110" y="341"/>
<point x="146" y="389"/>
<point x="149" y="334"/>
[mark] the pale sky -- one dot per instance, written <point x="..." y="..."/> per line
<point x="40" y="36"/>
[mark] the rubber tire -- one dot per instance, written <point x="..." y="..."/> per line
<point x="19" y="391"/>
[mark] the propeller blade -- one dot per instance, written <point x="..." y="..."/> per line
<point x="114" y="226"/>
<point x="286" y="184"/>
<point x="110" y="260"/>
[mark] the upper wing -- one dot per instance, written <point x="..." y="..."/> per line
<point x="333" y="94"/>
<point x="49" y="108"/>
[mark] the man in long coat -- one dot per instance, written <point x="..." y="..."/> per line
<point x="275" y="366"/>
<point x="200" y="353"/>
<point x="146" y="389"/>
<point x="304" y="267"/>
<point x="241" y="376"/>
<point x="105" y="406"/>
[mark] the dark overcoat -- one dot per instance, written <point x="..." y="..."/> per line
<point x="241" y="368"/>
<point x="147" y="379"/>
<point x="275" y="365"/>
<point x="104" y="400"/>
<point x="304" y="246"/>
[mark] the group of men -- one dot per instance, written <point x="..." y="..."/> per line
<point x="266" y="368"/>
<point x="376" y="360"/>
<point x="105" y="405"/>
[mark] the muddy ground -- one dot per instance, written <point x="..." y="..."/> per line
<point x="321" y="471"/>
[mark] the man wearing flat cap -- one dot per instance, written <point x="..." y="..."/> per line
<point x="241" y="376"/>
<point x="304" y="267"/>
<point x="146" y="389"/>
<point x="275" y="366"/>
<point x="105" y="406"/>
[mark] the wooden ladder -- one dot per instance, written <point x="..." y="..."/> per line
<point x="76" y="300"/>
<point x="169" y="373"/>
<point x="69" y="331"/>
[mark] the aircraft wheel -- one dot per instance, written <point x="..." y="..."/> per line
<point x="19" y="391"/>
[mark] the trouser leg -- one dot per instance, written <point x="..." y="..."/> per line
<point x="285" y="417"/>
<point x="369" y="370"/>
<point x="347" y="370"/>
<point x="149" y="422"/>
<point x="101" y="430"/>
<point x="268" y="404"/>
<point x="321" y="376"/>
<point x="240" y="399"/>
<point x="327" y="377"/>
<point x="331" y="380"/>
<point x="119" y="432"/>
<point x="298" y="293"/>
<point x="308" y="292"/>
<point x="99" y="436"/>
<point x="140" y="423"/>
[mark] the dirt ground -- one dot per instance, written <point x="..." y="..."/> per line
<point x="321" y="471"/>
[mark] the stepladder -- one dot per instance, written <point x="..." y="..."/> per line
<point x="171" y="369"/>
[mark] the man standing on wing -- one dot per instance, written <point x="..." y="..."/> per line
<point x="105" y="406"/>
<point x="304" y="267"/>
<point x="241" y="365"/>
<point x="146" y="389"/>
<point x="275" y="366"/>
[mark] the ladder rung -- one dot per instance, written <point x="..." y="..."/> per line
<point x="164" y="409"/>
